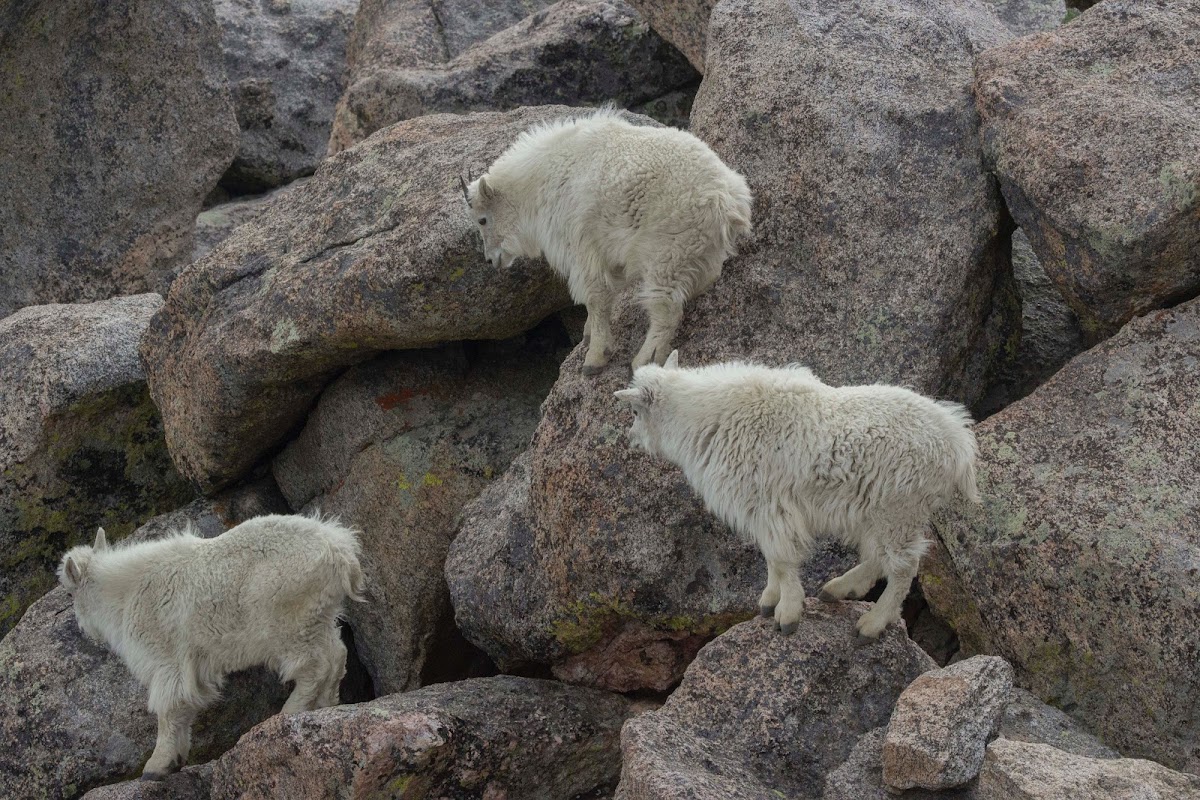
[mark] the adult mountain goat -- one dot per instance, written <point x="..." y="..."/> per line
<point x="781" y="458"/>
<point x="182" y="612"/>
<point x="607" y="202"/>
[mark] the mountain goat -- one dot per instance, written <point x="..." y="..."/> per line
<point x="182" y="612"/>
<point x="781" y="457"/>
<point x="607" y="202"/>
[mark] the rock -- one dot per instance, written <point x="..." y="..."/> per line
<point x="1028" y="719"/>
<point x="397" y="446"/>
<point x="943" y="722"/>
<point x="190" y="783"/>
<point x="73" y="717"/>
<point x="760" y="714"/>
<point x="582" y="52"/>
<point x="489" y="737"/>
<point x="1081" y="560"/>
<point x="683" y="23"/>
<point x="390" y="35"/>
<point x="1026" y="17"/>
<point x="285" y="61"/>
<point x="81" y="443"/>
<point x="376" y="252"/>
<point x="216" y="224"/>
<point x="612" y="571"/>
<point x="673" y="108"/>
<point x="1020" y="771"/>
<point x="1050" y="332"/>
<point x="1094" y="132"/>
<point x="860" y="777"/>
<point x="117" y="122"/>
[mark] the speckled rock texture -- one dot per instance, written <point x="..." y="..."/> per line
<point x="488" y="738"/>
<point x="1020" y="771"/>
<point x="1026" y="17"/>
<point x="285" y="60"/>
<point x="217" y="223"/>
<point x="1081" y="562"/>
<point x="117" y="122"/>
<point x="1094" y="132"/>
<point x="1027" y="719"/>
<point x="942" y="723"/>
<point x="399" y="34"/>
<point x="397" y="446"/>
<point x="683" y="23"/>
<point x="575" y="52"/>
<point x="879" y="241"/>
<point x="190" y="783"/>
<point x="375" y="252"/>
<point x="81" y="443"/>
<point x="72" y="716"/>
<point x="1050" y="332"/>
<point x="760" y="714"/>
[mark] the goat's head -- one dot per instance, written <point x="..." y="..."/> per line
<point x="644" y="397"/>
<point x="74" y="573"/>
<point x="496" y="217"/>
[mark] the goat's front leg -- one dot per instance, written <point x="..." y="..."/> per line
<point x="599" y="323"/>
<point x="174" y="741"/>
<point x="770" y="596"/>
<point x="791" y="597"/>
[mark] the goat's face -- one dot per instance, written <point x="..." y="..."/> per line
<point x="497" y="221"/>
<point x="74" y="576"/>
<point x="644" y="398"/>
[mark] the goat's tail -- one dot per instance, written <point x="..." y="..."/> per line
<point x="964" y="450"/>
<point x="732" y="215"/>
<point x="344" y="550"/>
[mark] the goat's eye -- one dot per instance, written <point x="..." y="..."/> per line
<point x="482" y="221"/>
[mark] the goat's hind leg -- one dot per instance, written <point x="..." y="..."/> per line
<point x="335" y="670"/>
<point x="599" y="327"/>
<point x="665" y="312"/>
<point x="854" y="584"/>
<point x="901" y="559"/>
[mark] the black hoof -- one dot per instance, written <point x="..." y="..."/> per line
<point x="826" y="597"/>
<point x="788" y="628"/>
<point x="863" y="641"/>
<point x="766" y="611"/>
<point x="152" y="776"/>
<point x="592" y="371"/>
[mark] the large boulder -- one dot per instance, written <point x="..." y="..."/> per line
<point x="1025" y="17"/>
<point x="943" y="722"/>
<point x="759" y="713"/>
<point x="1080" y="564"/>
<point x="117" y="122"/>
<point x="576" y="52"/>
<point x="1021" y="771"/>
<point x="285" y="60"/>
<point x="73" y="717"/>
<point x="375" y="252"/>
<point x="218" y="222"/>
<point x="397" y="446"/>
<point x="190" y="783"/>
<point x="1094" y="132"/>
<point x="880" y="239"/>
<point x="81" y="443"/>
<point x="487" y="737"/>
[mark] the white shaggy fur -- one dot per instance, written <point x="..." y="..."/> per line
<point x="607" y="202"/>
<point x="782" y="457"/>
<point x="182" y="612"/>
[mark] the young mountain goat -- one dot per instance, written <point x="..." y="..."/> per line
<point x="182" y="612"/>
<point x="607" y="202"/>
<point x="782" y="457"/>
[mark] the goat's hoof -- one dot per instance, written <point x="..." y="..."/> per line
<point x="788" y="628"/>
<point x="863" y="640"/>
<point x="591" y="371"/>
<point x="586" y="341"/>
<point x="766" y="611"/>
<point x="826" y="597"/>
<point x="152" y="776"/>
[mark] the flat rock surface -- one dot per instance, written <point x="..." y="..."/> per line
<point x="1094" y="132"/>
<point x="117" y="122"/>
<point x="489" y="737"/>
<point x="1080" y="564"/>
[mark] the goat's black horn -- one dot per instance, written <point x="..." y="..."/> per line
<point x="463" y="184"/>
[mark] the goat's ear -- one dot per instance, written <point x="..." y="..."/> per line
<point x="672" y="361"/>
<point x="101" y="543"/>
<point x="485" y="191"/>
<point x="72" y="572"/>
